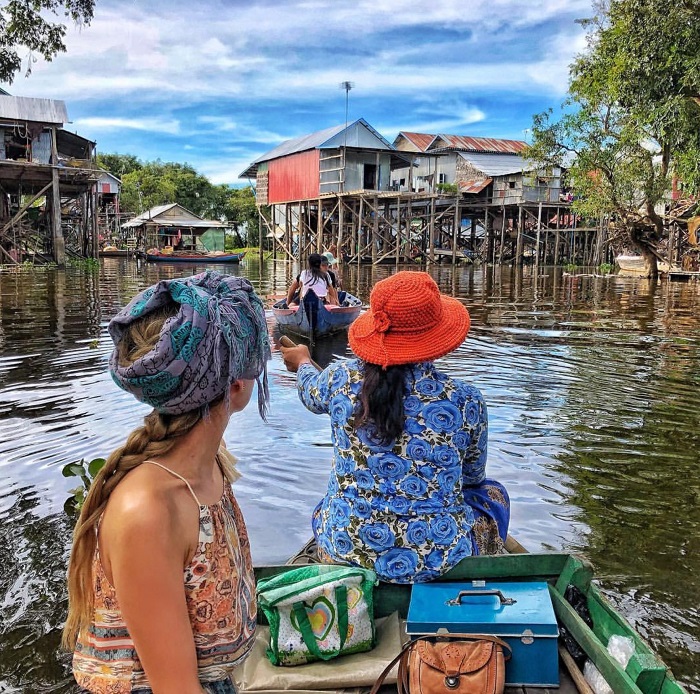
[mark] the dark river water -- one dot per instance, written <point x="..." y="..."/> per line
<point x="593" y="389"/>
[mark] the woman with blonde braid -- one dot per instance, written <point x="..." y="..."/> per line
<point x="161" y="585"/>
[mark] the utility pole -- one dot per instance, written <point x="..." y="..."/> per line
<point x="347" y="86"/>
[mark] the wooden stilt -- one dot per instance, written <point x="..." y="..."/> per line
<point x="59" y="244"/>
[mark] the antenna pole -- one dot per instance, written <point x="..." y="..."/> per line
<point x="347" y="86"/>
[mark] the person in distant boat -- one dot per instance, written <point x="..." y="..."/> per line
<point x="408" y="494"/>
<point x="331" y="263"/>
<point x="315" y="278"/>
<point x="160" y="580"/>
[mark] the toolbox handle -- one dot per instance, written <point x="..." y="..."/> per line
<point x="481" y="591"/>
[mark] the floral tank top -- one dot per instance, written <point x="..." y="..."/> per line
<point x="220" y="594"/>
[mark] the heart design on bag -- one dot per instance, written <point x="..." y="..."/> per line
<point x="354" y="596"/>
<point x="321" y="616"/>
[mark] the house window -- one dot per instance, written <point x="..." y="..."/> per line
<point x="511" y="184"/>
<point x="442" y="178"/>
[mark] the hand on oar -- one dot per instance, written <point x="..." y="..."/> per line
<point x="295" y="355"/>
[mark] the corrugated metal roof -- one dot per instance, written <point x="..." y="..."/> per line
<point x="474" y="186"/>
<point x="496" y="164"/>
<point x="317" y="140"/>
<point x="420" y="140"/>
<point x="477" y="144"/>
<point x="184" y="219"/>
<point x="37" y="110"/>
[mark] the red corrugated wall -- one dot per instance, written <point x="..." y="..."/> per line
<point x="295" y="177"/>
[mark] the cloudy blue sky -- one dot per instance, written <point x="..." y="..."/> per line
<point x="216" y="84"/>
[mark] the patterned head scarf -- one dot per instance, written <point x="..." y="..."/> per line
<point x="218" y="335"/>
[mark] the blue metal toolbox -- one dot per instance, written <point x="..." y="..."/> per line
<point x="519" y="613"/>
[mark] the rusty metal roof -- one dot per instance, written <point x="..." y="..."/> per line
<point x="420" y="140"/>
<point x="24" y="108"/>
<point x="474" y="186"/>
<point x="477" y="144"/>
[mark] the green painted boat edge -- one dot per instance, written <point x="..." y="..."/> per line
<point x="646" y="673"/>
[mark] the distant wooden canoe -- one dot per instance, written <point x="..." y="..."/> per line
<point x="112" y="252"/>
<point x="634" y="265"/>
<point x="312" y="319"/>
<point x="191" y="257"/>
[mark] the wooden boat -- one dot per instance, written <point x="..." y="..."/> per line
<point x="312" y="319"/>
<point x="156" y="256"/>
<point x="634" y="265"/>
<point x="114" y="252"/>
<point x="645" y="673"/>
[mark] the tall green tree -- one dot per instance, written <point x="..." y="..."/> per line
<point x="159" y="183"/>
<point x="24" y="27"/>
<point x="119" y="164"/>
<point x="632" y="120"/>
<point x="242" y="213"/>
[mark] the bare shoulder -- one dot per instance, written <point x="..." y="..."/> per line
<point x="148" y="501"/>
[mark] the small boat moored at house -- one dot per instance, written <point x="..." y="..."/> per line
<point x="634" y="265"/>
<point x="161" y="256"/>
<point x="114" y="252"/>
<point x="313" y="319"/>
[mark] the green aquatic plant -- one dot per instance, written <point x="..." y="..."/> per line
<point x="87" y="473"/>
<point x="606" y="268"/>
<point x="570" y="267"/>
<point x="83" y="262"/>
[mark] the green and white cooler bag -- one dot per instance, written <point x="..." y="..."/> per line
<point x="318" y="612"/>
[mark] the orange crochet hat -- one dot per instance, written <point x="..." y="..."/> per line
<point x="408" y="321"/>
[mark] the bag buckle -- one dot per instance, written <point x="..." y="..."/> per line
<point x="452" y="681"/>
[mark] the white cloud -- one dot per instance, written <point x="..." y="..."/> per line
<point x="222" y="77"/>
<point x="156" y="125"/>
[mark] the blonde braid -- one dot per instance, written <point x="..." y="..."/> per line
<point x="155" y="438"/>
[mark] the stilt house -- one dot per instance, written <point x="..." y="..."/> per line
<point x="173" y="226"/>
<point x="47" y="178"/>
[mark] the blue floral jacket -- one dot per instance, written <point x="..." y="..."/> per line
<point x="399" y="508"/>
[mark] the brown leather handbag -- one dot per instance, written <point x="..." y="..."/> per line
<point x="454" y="664"/>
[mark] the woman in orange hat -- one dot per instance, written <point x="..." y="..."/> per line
<point x="408" y="494"/>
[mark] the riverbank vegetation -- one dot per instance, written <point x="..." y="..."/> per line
<point x="629" y="131"/>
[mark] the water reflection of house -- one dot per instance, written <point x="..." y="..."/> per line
<point x="176" y="227"/>
<point x="47" y="176"/>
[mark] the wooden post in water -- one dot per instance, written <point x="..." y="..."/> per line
<point x="556" y="241"/>
<point x="341" y="223"/>
<point x="455" y="232"/>
<point x="59" y="243"/>
<point x="359" y="232"/>
<point x="539" y="227"/>
<point x="503" y="232"/>
<point x="519" y="243"/>
<point x="95" y="230"/>
<point x="375" y="229"/>
<point x="431" y="232"/>
<point x="397" y="250"/>
<point x="319" y="226"/>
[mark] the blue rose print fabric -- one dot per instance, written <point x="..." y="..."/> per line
<point x="412" y="509"/>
